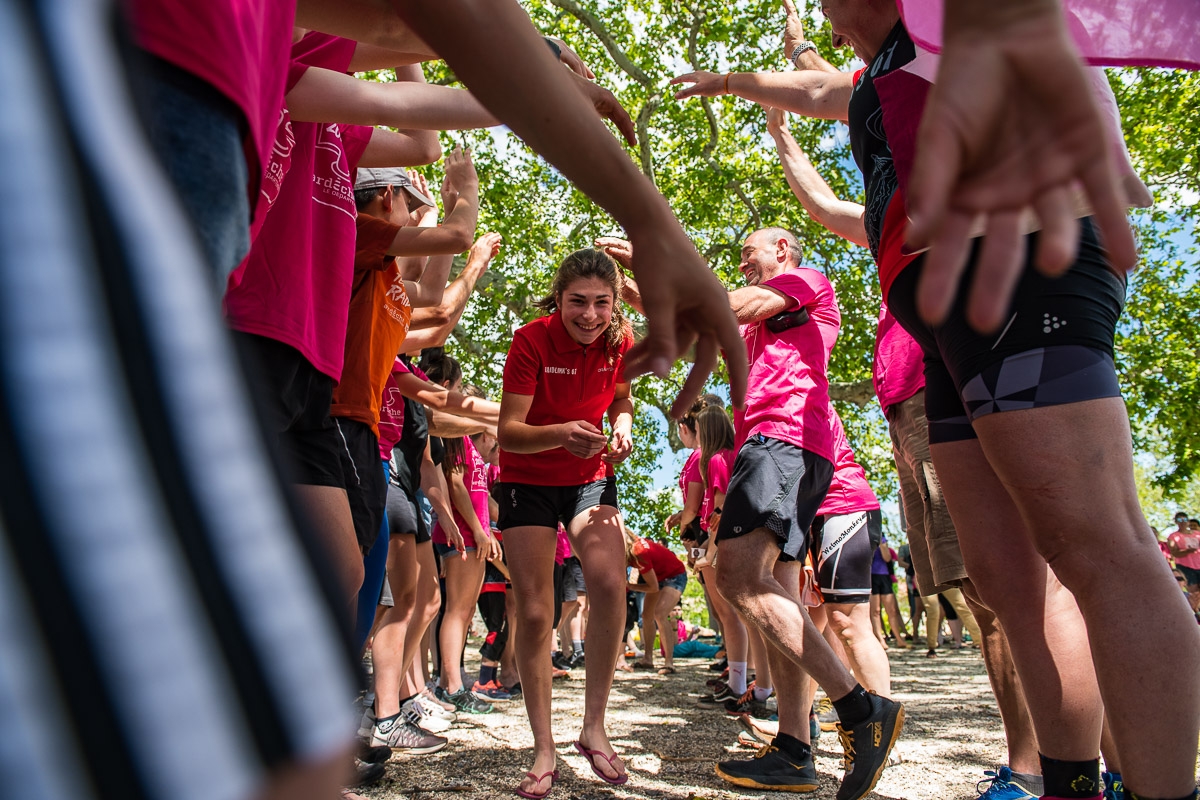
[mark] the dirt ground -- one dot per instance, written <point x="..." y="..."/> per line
<point x="952" y="734"/>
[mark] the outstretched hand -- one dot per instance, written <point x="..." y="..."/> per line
<point x="607" y="106"/>
<point x="1010" y="128"/>
<point x="701" y="84"/>
<point x="486" y="248"/>
<point x="684" y="304"/>
<point x="793" y="29"/>
<point x="460" y="174"/>
<point x="569" y="57"/>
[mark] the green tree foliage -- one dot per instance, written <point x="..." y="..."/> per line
<point x="716" y="165"/>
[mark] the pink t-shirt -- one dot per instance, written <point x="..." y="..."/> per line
<point x="788" y="394"/>
<point x="720" y="466"/>
<point x="1184" y="541"/>
<point x="562" y="547"/>
<point x="391" y="412"/>
<point x="849" y="491"/>
<point x="475" y="479"/>
<point x="689" y="474"/>
<point x="239" y="47"/>
<point x="294" y="286"/>
<point x="899" y="362"/>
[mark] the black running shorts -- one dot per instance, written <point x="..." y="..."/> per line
<point x="778" y="486"/>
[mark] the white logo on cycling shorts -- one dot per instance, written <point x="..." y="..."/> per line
<point x="514" y="498"/>
<point x="830" y="547"/>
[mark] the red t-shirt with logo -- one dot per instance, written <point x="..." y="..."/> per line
<point x="568" y="382"/>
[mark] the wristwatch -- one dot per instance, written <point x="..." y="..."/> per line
<point x="800" y="50"/>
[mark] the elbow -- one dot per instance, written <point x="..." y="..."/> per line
<point x="429" y="149"/>
<point x="461" y="238"/>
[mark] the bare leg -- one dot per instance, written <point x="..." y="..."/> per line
<point x="464" y="578"/>
<point x="866" y="659"/>
<point x="394" y="625"/>
<point x="760" y="658"/>
<point x="649" y="627"/>
<point x="509" y="671"/>
<point x="745" y="577"/>
<point x="895" y="620"/>
<point x="596" y="536"/>
<point x="1068" y="467"/>
<point x="877" y="620"/>
<point x="530" y="554"/>
<point x="667" y="598"/>
<point x="328" y="509"/>
<point x="736" y="642"/>
<point x="1006" y="686"/>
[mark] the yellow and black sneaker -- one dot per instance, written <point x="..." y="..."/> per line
<point x="771" y="769"/>
<point x="866" y="746"/>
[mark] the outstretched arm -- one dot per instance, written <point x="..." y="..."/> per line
<point x="809" y="93"/>
<point x="838" y="216"/>
<point x="494" y="49"/>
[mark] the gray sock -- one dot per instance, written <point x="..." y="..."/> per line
<point x="1030" y="783"/>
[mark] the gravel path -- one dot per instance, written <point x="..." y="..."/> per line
<point x="951" y="735"/>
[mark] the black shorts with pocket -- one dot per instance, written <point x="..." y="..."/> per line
<point x="778" y="486"/>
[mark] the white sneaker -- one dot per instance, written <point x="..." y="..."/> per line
<point x="437" y="707"/>
<point x="418" y="715"/>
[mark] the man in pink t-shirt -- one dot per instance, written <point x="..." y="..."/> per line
<point x="786" y="451"/>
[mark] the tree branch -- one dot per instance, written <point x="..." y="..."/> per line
<point x="858" y="392"/>
<point x="610" y="44"/>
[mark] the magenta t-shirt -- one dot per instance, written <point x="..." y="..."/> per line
<point x="391" y="412"/>
<point x="788" y="393"/>
<point x="475" y="479"/>
<point x="849" y="491"/>
<point x="899" y="362"/>
<point x="719" y="468"/>
<point x="562" y="547"/>
<point x="690" y="473"/>
<point x="295" y="284"/>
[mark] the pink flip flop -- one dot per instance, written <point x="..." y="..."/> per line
<point x="591" y="755"/>
<point x="553" y="775"/>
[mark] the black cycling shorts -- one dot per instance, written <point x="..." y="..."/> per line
<point x="1055" y="347"/>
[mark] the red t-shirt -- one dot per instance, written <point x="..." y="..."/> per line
<point x="377" y="326"/>
<point x="475" y="479"/>
<point x="239" y="47"/>
<point x="650" y="555"/>
<point x="568" y="382"/>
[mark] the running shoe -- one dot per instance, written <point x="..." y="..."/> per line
<point x="514" y="691"/>
<point x="576" y="660"/>
<point x="420" y="716"/>
<point x="366" y="774"/>
<point x="770" y="769"/>
<point x="403" y="737"/>
<point x="560" y="661"/>
<point x="717" y="697"/>
<point x="367" y="754"/>
<point x="866" y="746"/>
<point x="435" y="706"/>
<point x="747" y="704"/>
<point x="1114" y="787"/>
<point x="490" y="691"/>
<point x="366" y="723"/>
<point x="998" y="785"/>
<point x="826" y="714"/>
<point x="466" y="702"/>
<point x="814" y="729"/>
<point x="719" y="666"/>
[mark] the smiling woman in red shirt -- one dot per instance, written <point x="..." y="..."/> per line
<point x="563" y="375"/>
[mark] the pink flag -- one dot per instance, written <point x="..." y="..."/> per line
<point x="1113" y="33"/>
